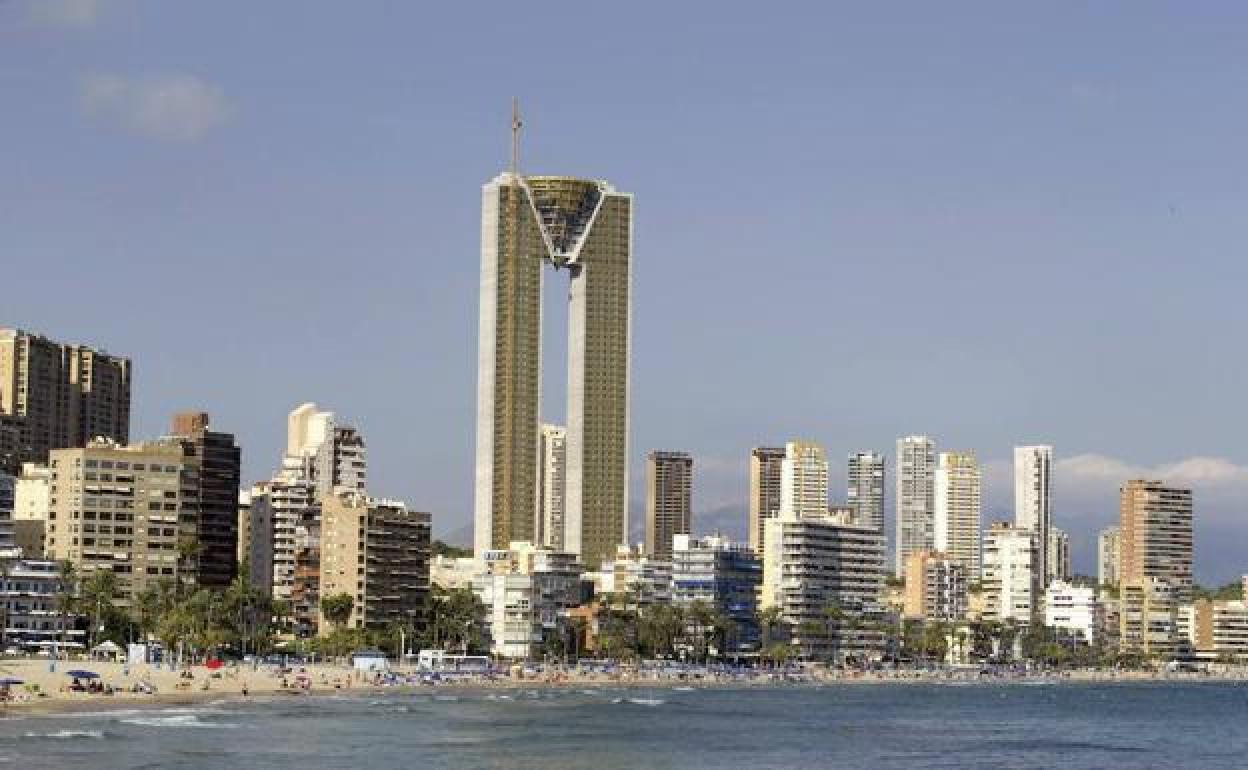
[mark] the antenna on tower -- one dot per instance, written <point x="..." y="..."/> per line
<point x="515" y="135"/>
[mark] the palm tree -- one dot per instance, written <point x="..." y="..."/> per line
<point x="66" y="595"/>
<point x="98" y="592"/>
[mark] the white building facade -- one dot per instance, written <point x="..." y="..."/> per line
<point x="957" y="505"/>
<point x="914" y="499"/>
<point x="1033" y="497"/>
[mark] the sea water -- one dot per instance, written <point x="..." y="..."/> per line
<point x="1067" y="725"/>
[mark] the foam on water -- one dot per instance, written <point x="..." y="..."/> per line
<point x="176" y="720"/>
<point x="68" y="734"/>
<point x="647" y="701"/>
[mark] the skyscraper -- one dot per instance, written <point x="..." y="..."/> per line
<point x="1059" y="555"/>
<point x="584" y="226"/>
<point x="552" y="461"/>
<point x="804" y="481"/>
<point x="866" y="488"/>
<point x="1107" y="545"/>
<point x="669" y="500"/>
<point x="766" y="465"/>
<point x="1156" y="534"/>
<point x="327" y="452"/>
<point x="1033" y="505"/>
<point x="915" y="498"/>
<point x="219" y="471"/>
<point x="58" y="395"/>
<point x="956" y="498"/>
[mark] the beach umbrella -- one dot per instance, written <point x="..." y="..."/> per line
<point x="82" y="674"/>
<point x="213" y="664"/>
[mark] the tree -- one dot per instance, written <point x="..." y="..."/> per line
<point x="337" y="609"/>
<point x="66" y="595"/>
<point x="97" y="594"/>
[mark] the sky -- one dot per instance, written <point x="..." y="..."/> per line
<point x="991" y="223"/>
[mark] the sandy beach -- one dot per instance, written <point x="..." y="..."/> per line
<point x="46" y="688"/>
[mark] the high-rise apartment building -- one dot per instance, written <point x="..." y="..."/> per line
<point x="956" y="501"/>
<point x="914" y="498"/>
<point x="129" y="509"/>
<point x="1033" y="498"/>
<point x="803" y="481"/>
<point x="766" y="469"/>
<point x="585" y="226"/>
<point x="721" y="575"/>
<point x="1149" y="616"/>
<point x="219" y="463"/>
<point x="326" y="451"/>
<point x="290" y="504"/>
<point x="1155" y="522"/>
<point x="1009" y="573"/>
<point x="59" y="395"/>
<point x="552" y="462"/>
<point x="261" y="544"/>
<point x="1059" y="555"/>
<point x="865" y="491"/>
<point x="376" y="551"/>
<point x="669" y="500"/>
<point x="814" y="563"/>
<point x="1107" y="548"/>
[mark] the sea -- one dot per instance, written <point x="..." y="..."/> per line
<point x="1023" y="725"/>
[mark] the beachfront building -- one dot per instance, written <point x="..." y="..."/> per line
<point x="218" y="470"/>
<point x="1216" y="629"/>
<point x="128" y="509"/>
<point x="936" y="587"/>
<point x="377" y="552"/>
<point x="305" y="588"/>
<point x="669" y="500"/>
<point x="724" y="576"/>
<point x="915" y="499"/>
<point x="956" y="509"/>
<point x="1148" y="617"/>
<point x="34" y="618"/>
<point x="31" y="500"/>
<point x="1107" y="545"/>
<point x="1033" y="501"/>
<point x="634" y="579"/>
<point x="1156" y="534"/>
<point x="865" y="488"/>
<point x="1009" y="573"/>
<point x="825" y="574"/>
<point x="766" y="469"/>
<point x="1072" y="609"/>
<point x="527" y="591"/>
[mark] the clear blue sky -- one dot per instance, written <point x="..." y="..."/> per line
<point x="989" y="223"/>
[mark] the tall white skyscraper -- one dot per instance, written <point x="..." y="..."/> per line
<point x="915" y="499"/>
<point x="330" y="454"/>
<point x="803" y="481"/>
<point x="551" y="465"/>
<point x="865" y="493"/>
<point x="1033" y="506"/>
<point x="957" y="497"/>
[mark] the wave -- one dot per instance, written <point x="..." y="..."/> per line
<point x="177" y="720"/>
<point x="647" y="701"/>
<point x="68" y="734"/>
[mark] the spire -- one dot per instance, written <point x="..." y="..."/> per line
<point x="515" y="135"/>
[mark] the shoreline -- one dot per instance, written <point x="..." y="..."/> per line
<point x="57" y="704"/>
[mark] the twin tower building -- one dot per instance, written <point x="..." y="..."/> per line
<point x="529" y="223"/>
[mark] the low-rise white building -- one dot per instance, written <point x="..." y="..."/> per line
<point x="526" y="589"/>
<point x="635" y="575"/>
<point x="1072" y="609"/>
